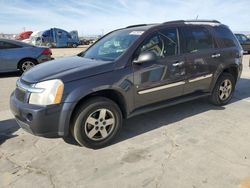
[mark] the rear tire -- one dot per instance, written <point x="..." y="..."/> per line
<point x="96" y="123"/>
<point x="223" y="90"/>
<point x="26" y="65"/>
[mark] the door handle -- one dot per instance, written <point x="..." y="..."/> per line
<point x="215" y="55"/>
<point x="178" y="64"/>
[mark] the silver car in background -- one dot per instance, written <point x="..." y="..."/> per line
<point x="16" y="55"/>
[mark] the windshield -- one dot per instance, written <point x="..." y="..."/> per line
<point x="112" y="46"/>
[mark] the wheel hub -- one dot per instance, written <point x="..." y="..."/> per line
<point x="225" y="89"/>
<point x="99" y="124"/>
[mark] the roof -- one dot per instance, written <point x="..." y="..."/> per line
<point x="15" y="42"/>
<point x="176" y="22"/>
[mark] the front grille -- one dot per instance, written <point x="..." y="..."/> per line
<point x="22" y="90"/>
<point x="20" y="95"/>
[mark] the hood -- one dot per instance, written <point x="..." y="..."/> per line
<point x="67" y="69"/>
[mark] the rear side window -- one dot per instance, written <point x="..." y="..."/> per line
<point x="226" y="36"/>
<point x="7" y="45"/>
<point x="195" y="39"/>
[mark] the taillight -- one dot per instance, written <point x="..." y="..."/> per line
<point x="47" y="51"/>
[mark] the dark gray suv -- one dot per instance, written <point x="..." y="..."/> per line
<point x="128" y="72"/>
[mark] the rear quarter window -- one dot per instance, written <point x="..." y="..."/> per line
<point x="226" y="37"/>
<point x="7" y="45"/>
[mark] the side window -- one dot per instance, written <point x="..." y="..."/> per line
<point x="1" y="45"/>
<point x="244" y="38"/>
<point x="226" y="36"/>
<point x="170" y="42"/>
<point x="238" y="37"/>
<point x="153" y="44"/>
<point x="6" y="45"/>
<point x="162" y="44"/>
<point x="195" y="39"/>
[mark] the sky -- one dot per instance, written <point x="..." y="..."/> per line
<point x="95" y="17"/>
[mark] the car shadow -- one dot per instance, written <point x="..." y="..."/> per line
<point x="10" y="74"/>
<point x="7" y="130"/>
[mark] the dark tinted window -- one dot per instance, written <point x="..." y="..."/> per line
<point x="162" y="44"/>
<point x="226" y="36"/>
<point x="195" y="39"/>
<point x="7" y="45"/>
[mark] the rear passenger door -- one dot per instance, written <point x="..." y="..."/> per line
<point x="199" y="48"/>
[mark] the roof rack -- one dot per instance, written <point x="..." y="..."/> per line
<point x="209" y="21"/>
<point x="138" y="25"/>
<point x="192" y="21"/>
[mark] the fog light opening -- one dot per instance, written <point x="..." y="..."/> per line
<point x="29" y="117"/>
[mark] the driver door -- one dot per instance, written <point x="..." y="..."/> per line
<point x="164" y="77"/>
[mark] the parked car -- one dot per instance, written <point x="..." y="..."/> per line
<point x="23" y="35"/>
<point x="128" y="72"/>
<point x="244" y="41"/>
<point x="16" y="55"/>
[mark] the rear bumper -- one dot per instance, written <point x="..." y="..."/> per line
<point x="38" y="120"/>
<point x="44" y="58"/>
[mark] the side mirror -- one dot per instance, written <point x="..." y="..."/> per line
<point x="145" y="57"/>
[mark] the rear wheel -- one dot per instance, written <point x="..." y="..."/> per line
<point x="26" y="65"/>
<point x="223" y="90"/>
<point x="96" y="123"/>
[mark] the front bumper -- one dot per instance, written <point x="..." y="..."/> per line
<point x="37" y="120"/>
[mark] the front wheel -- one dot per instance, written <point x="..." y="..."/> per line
<point x="223" y="90"/>
<point x="96" y="123"/>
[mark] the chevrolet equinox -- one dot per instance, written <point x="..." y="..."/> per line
<point x="127" y="72"/>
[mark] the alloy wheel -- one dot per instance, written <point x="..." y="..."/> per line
<point x="27" y="65"/>
<point x="99" y="124"/>
<point x="225" y="89"/>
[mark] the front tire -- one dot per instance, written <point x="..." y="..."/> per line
<point x="223" y="90"/>
<point x="96" y="123"/>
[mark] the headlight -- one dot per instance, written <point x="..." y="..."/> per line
<point x="51" y="93"/>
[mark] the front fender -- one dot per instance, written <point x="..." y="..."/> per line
<point x="75" y="91"/>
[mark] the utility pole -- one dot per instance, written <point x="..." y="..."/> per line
<point x="197" y="17"/>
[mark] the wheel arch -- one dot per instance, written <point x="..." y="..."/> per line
<point x="233" y="69"/>
<point x="111" y="94"/>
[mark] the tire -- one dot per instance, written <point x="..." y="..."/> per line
<point x="92" y="124"/>
<point x="74" y="45"/>
<point x="222" y="94"/>
<point x="26" y="64"/>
